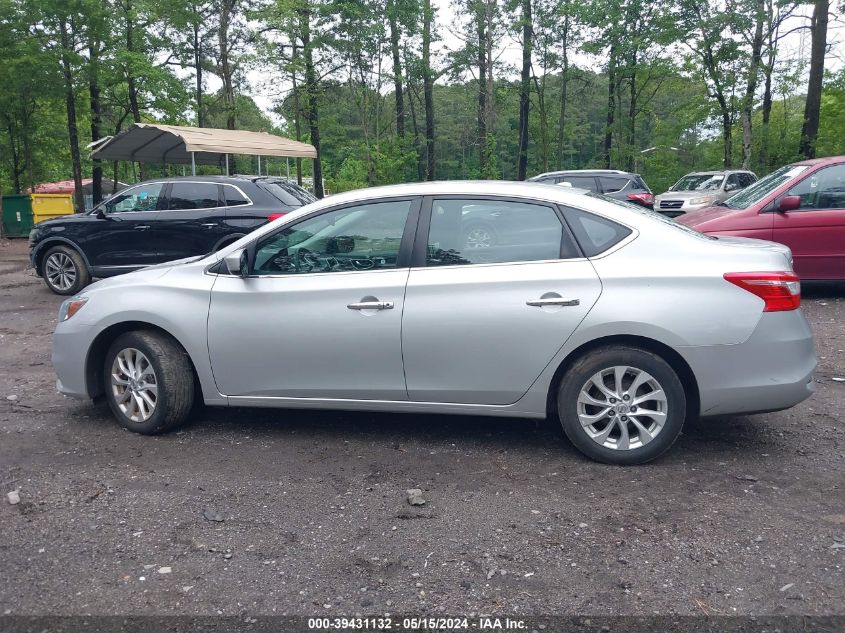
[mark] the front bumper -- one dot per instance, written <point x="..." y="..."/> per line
<point x="70" y="354"/>
<point x="772" y="370"/>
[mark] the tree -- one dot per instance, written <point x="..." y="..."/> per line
<point x="810" y="128"/>
<point x="527" y="26"/>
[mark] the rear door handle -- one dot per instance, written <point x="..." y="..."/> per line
<point x="142" y="227"/>
<point x="553" y="301"/>
<point x="371" y="305"/>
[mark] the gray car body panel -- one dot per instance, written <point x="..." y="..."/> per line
<point x="743" y="359"/>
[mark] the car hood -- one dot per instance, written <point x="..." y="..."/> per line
<point x="144" y="275"/>
<point x="701" y="216"/>
<point x="686" y="195"/>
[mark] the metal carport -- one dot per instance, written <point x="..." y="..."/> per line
<point x="156" y="143"/>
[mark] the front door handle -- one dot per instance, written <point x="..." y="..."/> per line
<point x="371" y="305"/>
<point x="210" y="224"/>
<point x="553" y="301"/>
<point x="142" y="227"/>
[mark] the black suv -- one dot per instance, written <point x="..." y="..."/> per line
<point x="620" y="185"/>
<point x="156" y="221"/>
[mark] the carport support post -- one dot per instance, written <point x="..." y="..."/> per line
<point x="259" y="165"/>
<point x="193" y="164"/>
<point x="227" y="164"/>
<point x="287" y="166"/>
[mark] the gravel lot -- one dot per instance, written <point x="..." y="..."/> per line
<point x="746" y="515"/>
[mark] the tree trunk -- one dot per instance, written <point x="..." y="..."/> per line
<point x="810" y="128"/>
<point x="564" y="85"/>
<point x="632" y="118"/>
<point x="751" y="84"/>
<point x="311" y="92"/>
<point x="397" y="70"/>
<point x="491" y="92"/>
<point x="420" y="162"/>
<point x="297" y="117"/>
<point x="72" y="129"/>
<point x="198" y="70"/>
<point x="96" y="120"/>
<point x="225" y="65"/>
<point x="131" y="85"/>
<point x="524" y="91"/>
<point x="611" y="106"/>
<point x="727" y="131"/>
<point x="428" y="90"/>
<point x="481" y="32"/>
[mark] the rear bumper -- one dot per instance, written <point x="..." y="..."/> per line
<point x="772" y="370"/>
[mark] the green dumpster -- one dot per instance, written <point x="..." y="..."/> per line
<point x="17" y="215"/>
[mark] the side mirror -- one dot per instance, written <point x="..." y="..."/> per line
<point x="789" y="203"/>
<point x="100" y="214"/>
<point x="237" y="263"/>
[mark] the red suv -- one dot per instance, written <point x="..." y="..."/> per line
<point x="801" y="205"/>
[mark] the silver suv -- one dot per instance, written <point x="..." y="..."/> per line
<point x="702" y="189"/>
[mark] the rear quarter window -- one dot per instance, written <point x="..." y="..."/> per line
<point x="594" y="234"/>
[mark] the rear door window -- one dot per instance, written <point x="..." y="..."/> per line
<point x="194" y="195"/>
<point x="488" y="231"/>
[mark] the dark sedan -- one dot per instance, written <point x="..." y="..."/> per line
<point x="157" y="221"/>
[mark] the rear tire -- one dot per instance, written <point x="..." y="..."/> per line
<point x="148" y="382"/>
<point x="64" y="271"/>
<point x="621" y="405"/>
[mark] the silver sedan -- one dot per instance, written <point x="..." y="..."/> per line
<point x="481" y="298"/>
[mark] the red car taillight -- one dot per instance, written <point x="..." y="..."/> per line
<point x="275" y="216"/>
<point x="779" y="291"/>
<point x="642" y="198"/>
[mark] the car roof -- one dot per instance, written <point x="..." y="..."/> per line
<point x="219" y="179"/>
<point x="831" y="160"/>
<point x="586" y="172"/>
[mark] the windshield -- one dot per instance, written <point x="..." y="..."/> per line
<point x="699" y="182"/>
<point x="764" y="187"/>
<point x="651" y="214"/>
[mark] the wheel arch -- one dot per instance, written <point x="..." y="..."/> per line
<point x="99" y="347"/>
<point x="673" y="358"/>
<point x="43" y="247"/>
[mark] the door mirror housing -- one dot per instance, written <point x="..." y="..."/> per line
<point x="100" y="213"/>
<point x="237" y="263"/>
<point x="789" y="203"/>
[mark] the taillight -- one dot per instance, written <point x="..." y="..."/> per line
<point x="642" y="198"/>
<point x="275" y="216"/>
<point x="779" y="291"/>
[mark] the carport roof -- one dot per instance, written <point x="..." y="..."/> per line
<point x="155" y="143"/>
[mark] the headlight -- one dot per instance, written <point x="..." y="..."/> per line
<point x="71" y="307"/>
<point x="702" y="200"/>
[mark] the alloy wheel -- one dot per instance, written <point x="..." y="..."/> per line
<point x="60" y="271"/>
<point x="622" y="408"/>
<point x="134" y="385"/>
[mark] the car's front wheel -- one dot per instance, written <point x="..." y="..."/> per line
<point x="621" y="405"/>
<point x="148" y="382"/>
<point x="64" y="271"/>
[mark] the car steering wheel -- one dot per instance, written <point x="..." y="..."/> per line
<point x="304" y="258"/>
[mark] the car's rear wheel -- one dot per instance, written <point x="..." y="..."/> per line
<point x="148" y="382"/>
<point x="621" y="405"/>
<point x="478" y="236"/>
<point x="64" y="271"/>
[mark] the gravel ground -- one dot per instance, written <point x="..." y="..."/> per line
<point x="746" y="515"/>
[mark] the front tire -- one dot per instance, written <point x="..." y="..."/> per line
<point x="148" y="382"/>
<point x="621" y="405"/>
<point x="64" y="271"/>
